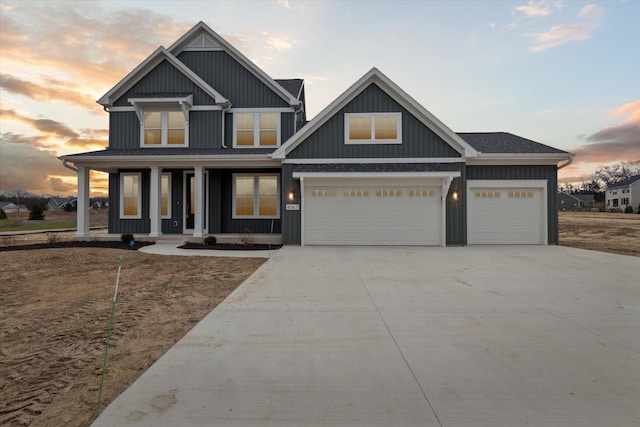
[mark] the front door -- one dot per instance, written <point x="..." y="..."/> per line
<point x="190" y="201"/>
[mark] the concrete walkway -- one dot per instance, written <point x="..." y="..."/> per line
<point x="470" y="336"/>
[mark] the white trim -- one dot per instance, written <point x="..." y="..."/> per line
<point x="121" y="109"/>
<point x="155" y="201"/>
<point x="518" y="159"/>
<point x="256" y="128"/>
<point x="262" y="110"/>
<point x="206" y="108"/>
<point x="256" y="195"/>
<point x="146" y="66"/>
<point x="446" y="184"/>
<point x="516" y="183"/>
<point x="183" y="43"/>
<point x="382" y="175"/>
<point x="82" y="203"/>
<point x="372" y="140"/>
<point x="302" y="211"/>
<point x="376" y="160"/>
<point x="164" y="129"/>
<point x="139" y="214"/>
<point x="185" y="188"/>
<point x="395" y="92"/>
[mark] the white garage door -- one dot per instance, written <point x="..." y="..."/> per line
<point x="357" y="213"/>
<point x="505" y="216"/>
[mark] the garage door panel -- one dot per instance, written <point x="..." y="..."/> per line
<point x="505" y="216"/>
<point x="371" y="215"/>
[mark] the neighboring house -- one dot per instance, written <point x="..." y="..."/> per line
<point x="624" y="193"/>
<point x="202" y="141"/>
<point x="9" y="207"/>
<point x="58" y="202"/>
<point x="574" y="201"/>
<point x="567" y="201"/>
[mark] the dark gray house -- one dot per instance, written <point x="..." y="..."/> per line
<point x="203" y="142"/>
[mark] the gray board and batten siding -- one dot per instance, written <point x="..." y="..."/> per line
<point x="417" y="139"/>
<point x="232" y="80"/>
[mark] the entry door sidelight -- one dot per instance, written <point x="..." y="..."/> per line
<point x="190" y="201"/>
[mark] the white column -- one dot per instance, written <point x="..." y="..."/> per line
<point x="155" y="202"/>
<point x="83" y="202"/>
<point x="198" y="202"/>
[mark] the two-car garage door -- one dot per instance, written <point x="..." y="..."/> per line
<point x="374" y="212"/>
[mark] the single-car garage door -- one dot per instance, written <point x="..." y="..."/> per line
<point x="506" y="215"/>
<point x="357" y="212"/>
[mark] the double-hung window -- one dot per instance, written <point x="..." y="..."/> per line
<point x="256" y="130"/>
<point x="256" y="196"/>
<point x="164" y="128"/>
<point x="373" y="128"/>
<point x="130" y="195"/>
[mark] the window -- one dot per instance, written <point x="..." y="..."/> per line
<point x="521" y="194"/>
<point x="420" y="193"/>
<point x="130" y="195"/>
<point x="615" y="203"/>
<point x="164" y="128"/>
<point x="257" y="129"/>
<point x="373" y="128"/>
<point x="256" y="196"/>
<point x="165" y="210"/>
<point x="389" y="193"/>
<point x="624" y="201"/>
<point x="355" y="193"/>
<point x="487" y="194"/>
<point x="323" y="193"/>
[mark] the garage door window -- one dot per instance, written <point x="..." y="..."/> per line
<point x="420" y="193"/>
<point x="487" y="194"/>
<point x="256" y="196"/>
<point x="323" y="193"/>
<point x="356" y="193"/>
<point x="520" y="194"/>
<point x="389" y="193"/>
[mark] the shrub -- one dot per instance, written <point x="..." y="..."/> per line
<point x="3" y="214"/>
<point x="53" y="238"/>
<point x="37" y="212"/>
<point x="628" y="209"/>
<point x="126" y="238"/>
<point x="210" y="240"/>
<point x="70" y="208"/>
<point x="247" y="237"/>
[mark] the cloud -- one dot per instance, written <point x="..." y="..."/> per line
<point x="632" y="108"/>
<point x="535" y="8"/>
<point x="310" y="80"/>
<point x="52" y="89"/>
<point x="51" y="129"/>
<point x="590" y="11"/>
<point x="559" y="35"/>
<point x="277" y="43"/>
<point x="284" y="3"/>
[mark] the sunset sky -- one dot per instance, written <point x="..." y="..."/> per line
<point x="564" y="73"/>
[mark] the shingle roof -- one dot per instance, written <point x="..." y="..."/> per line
<point x="378" y="167"/>
<point x="291" y="85"/>
<point x="173" y="151"/>
<point x="625" y="182"/>
<point x="504" y="142"/>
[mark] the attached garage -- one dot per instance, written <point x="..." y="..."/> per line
<point x="506" y="212"/>
<point x="373" y="211"/>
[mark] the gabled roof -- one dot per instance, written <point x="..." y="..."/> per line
<point x="375" y="76"/>
<point x="293" y="86"/>
<point x="631" y="180"/>
<point x="504" y="142"/>
<point x="159" y="55"/>
<point x="202" y="37"/>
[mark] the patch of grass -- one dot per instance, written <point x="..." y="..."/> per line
<point x="46" y="226"/>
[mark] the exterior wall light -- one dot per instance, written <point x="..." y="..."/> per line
<point x="454" y="195"/>
<point x="291" y="196"/>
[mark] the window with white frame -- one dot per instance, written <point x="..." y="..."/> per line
<point x="165" y="210"/>
<point x="256" y="130"/>
<point x="373" y="128"/>
<point x="164" y="128"/>
<point x="130" y="195"/>
<point x="256" y="196"/>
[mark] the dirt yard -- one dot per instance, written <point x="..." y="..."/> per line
<point x="618" y="233"/>
<point x="55" y="315"/>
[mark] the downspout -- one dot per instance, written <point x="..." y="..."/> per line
<point x="567" y="163"/>
<point x="224" y="110"/>
<point x="68" y="166"/>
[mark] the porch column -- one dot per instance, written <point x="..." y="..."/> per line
<point x="82" y="214"/>
<point x="199" y="202"/>
<point x="155" y="202"/>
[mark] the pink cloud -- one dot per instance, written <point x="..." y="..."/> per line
<point x="559" y="35"/>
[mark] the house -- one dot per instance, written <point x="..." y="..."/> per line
<point x="9" y="207"/>
<point x="568" y="201"/>
<point x="624" y="193"/>
<point x="59" y="202"/>
<point x="203" y="142"/>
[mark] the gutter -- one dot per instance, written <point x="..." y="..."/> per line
<point x="68" y="166"/>
<point x="567" y="163"/>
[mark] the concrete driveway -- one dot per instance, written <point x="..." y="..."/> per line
<point x="358" y="336"/>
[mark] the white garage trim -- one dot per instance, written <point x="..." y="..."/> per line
<point x="538" y="185"/>
<point x="401" y="179"/>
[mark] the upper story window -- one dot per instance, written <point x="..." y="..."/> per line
<point x="164" y="120"/>
<point x="164" y="128"/>
<point x="373" y="128"/>
<point x="256" y="130"/>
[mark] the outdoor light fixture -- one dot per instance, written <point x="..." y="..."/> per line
<point x="292" y="196"/>
<point x="454" y="195"/>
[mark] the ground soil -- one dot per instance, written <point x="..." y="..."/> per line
<point x="55" y="314"/>
<point x="56" y="304"/>
<point x="618" y="233"/>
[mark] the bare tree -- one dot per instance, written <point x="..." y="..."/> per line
<point x="617" y="172"/>
<point x="17" y="196"/>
